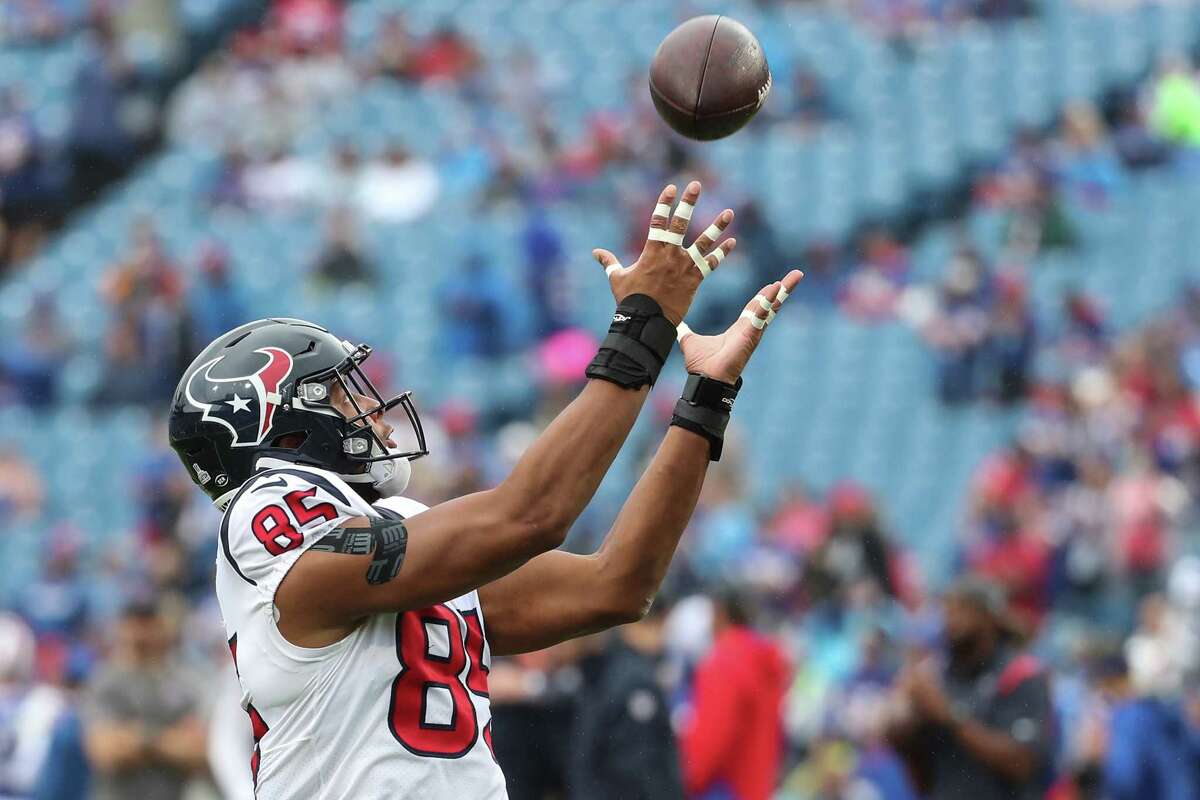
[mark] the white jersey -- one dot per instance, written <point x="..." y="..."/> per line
<point x="27" y="719"/>
<point x="399" y="708"/>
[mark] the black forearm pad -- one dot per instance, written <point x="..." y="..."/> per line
<point x="704" y="409"/>
<point x="638" y="343"/>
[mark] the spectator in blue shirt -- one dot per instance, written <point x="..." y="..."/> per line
<point x="1151" y="749"/>
<point x="545" y="274"/>
<point x="30" y="367"/>
<point x="476" y="319"/>
<point x="216" y="306"/>
<point x="65" y="775"/>
<point x="102" y="145"/>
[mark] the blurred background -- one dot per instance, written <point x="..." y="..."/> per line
<point x="987" y="384"/>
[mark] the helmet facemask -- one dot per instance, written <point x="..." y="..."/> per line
<point x="383" y="467"/>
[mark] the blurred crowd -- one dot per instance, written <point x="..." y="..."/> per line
<point x="58" y="152"/>
<point x="797" y="644"/>
<point x="978" y="319"/>
<point x="1104" y="466"/>
<point x="1061" y="662"/>
<point x="905" y="23"/>
<point x="31" y="22"/>
<point x="1071" y="631"/>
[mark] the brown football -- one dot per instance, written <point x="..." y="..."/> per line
<point x="709" y="77"/>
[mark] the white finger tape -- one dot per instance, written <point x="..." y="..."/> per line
<point x="613" y="267"/>
<point x="682" y="330"/>
<point x="718" y="254"/>
<point x="670" y="237"/>
<point x="755" y="320"/>
<point x="699" y="260"/>
<point x="783" y="294"/>
<point x="712" y="232"/>
<point x="763" y="302"/>
<point x="684" y="210"/>
<point x="770" y="316"/>
<point x="662" y="210"/>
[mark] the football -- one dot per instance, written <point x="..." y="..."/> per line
<point x="709" y="77"/>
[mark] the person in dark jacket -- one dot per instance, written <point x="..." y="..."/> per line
<point x="855" y="552"/>
<point x="342" y="259"/>
<point x="624" y="743"/>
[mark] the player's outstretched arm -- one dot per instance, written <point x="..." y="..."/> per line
<point x="464" y="543"/>
<point x="559" y="595"/>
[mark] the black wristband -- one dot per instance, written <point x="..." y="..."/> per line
<point x="704" y="408"/>
<point x="638" y="343"/>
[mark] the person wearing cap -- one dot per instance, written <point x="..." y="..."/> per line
<point x="977" y="723"/>
<point x="143" y="733"/>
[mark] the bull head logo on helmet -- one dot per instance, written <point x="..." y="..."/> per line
<point x="246" y="397"/>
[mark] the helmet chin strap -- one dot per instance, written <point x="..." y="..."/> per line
<point x="389" y="478"/>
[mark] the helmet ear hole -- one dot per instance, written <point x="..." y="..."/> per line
<point x="290" y="441"/>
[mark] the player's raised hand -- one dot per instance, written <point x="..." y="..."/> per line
<point x="725" y="355"/>
<point x="665" y="271"/>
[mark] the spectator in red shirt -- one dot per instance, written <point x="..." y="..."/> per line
<point x="309" y="25"/>
<point x="800" y="523"/>
<point x="1017" y="557"/>
<point x="733" y="743"/>
<point x="1141" y="523"/>
<point x="445" y="56"/>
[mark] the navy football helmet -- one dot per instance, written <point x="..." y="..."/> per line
<point x="267" y="384"/>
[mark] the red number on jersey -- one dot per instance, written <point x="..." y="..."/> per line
<point x="272" y="522"/>
<point x="431" y="712"/>
<point x="270" y="525"/>
<point x="303" y="514"/>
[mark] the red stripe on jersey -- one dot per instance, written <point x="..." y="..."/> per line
<point x="487" y="738"/>
<point x="257" y="724"/>
<point x="477" y="674"/>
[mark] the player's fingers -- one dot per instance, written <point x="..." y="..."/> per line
<point x="607" y="260"/>
<point x="789" y="284"/>
<point x="786" y="286"/>
<point x="714" y="259"/>
<point x="662" y="212"/>
<point x="683" y="211"/>
<point x="712" y="233"/>
<point x="761" y="308"/>
<point x="765" y="306"/>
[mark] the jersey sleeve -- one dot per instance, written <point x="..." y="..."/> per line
<point x="278" y="515"/>
<point x="401" y="507"/>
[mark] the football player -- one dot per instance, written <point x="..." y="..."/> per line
<point x="362" y="623"/>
